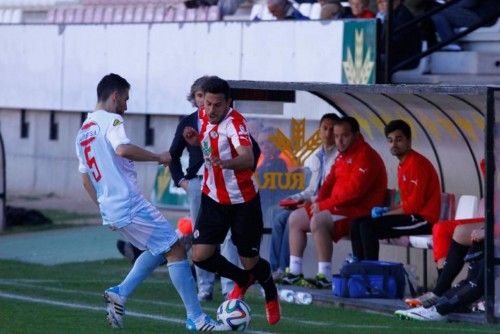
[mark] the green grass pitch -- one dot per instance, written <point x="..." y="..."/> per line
<point x="68" y="299"/>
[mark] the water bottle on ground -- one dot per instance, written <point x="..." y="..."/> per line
<point x="287" y="295"/>
<point x="303" y="298"/>
<point x="299" y="297"/>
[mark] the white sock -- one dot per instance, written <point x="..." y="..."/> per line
<point x="326" y="269"/>
<point x="295" y="265"/>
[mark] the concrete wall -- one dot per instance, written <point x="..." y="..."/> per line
<point x="37" y="165"/>
<point x="59" y="66"/>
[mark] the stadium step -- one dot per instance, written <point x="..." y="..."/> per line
<point x="465" y="62"/>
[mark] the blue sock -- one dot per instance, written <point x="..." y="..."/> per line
<point x="143" y="267"/>
<point x="182" y="278"/>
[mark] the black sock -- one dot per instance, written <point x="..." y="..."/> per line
<point x="453" y="265"/>
<point x="262" y="272"/>
<point x="219" y="264"/>
<point x="440" y="271"/>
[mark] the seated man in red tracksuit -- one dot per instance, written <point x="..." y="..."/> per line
<point x="357" y="181"/>
<point x="420" y="199"/>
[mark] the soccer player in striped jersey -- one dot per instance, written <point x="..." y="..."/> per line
<point x="230" y="198"/>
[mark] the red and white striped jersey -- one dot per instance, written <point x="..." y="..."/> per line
<point x="225" y="186"/>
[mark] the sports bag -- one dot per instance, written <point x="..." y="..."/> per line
<point x="371" y="279"/>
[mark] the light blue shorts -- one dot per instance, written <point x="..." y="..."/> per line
<point x="149" y="230"/>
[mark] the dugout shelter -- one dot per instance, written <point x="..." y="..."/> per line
<point x="454" y="126"/>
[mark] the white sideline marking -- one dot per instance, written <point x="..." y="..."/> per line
<point x="176" y="320"/>
<point x="144" y="301"/>
<point x="99" y="309"/>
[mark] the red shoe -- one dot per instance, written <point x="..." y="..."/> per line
<point x="238" y="292"/>
<point x="273" y="311"/>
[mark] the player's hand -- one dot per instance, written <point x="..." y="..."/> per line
<point x="164" y="158"/>
<point x="191" y="136"/>
<point x="477" y="234"/>
<point x="184" y="184"/>
<point x="378" y="211"/>
<point x="218" y="162"/>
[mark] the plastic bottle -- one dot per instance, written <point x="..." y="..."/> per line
<point x="287" y="295"/>
<point x="303" y="298"/>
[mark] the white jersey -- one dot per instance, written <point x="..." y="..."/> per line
<point x="114" y="178"/>
<point x="319" y="164"/>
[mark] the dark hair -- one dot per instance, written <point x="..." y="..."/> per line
<point x="353" y="123"/>
<point x="331" y="116"/>
<point x="109" y="84"/>
<point x="398" y="124"/>
<point x="216" y="85"/>
<point x="196" y="86"/>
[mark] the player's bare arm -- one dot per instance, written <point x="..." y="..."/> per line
<point x="191" y="136"/>
<point x="136" y="153"/>
<point x="89" y="188"/>
<point x="244" y="160"/>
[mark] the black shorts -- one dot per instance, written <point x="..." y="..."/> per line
<point x="245" y="221"/>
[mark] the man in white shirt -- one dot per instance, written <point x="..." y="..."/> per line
<point x="106" y="163"/>
<point x="319" y="164"/>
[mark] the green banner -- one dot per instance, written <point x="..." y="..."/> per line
<point x="165" y="194"/>
<point x="359" y="52"/>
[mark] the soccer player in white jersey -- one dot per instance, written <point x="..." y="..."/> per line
<point x="230" y="198"/>
<point x="106" y="162"/>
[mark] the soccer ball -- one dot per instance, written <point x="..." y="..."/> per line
<point x="235" y="313"/>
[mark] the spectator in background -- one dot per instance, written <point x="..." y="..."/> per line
<point x="331" y="10"/>
<point x="319" y="164"/>
<point x="464" y="13"/>
<point x="404" y="44"/>
<point x="357" y="181"/>
<point x="359" y="9"/>
<point x="284" y="10"/>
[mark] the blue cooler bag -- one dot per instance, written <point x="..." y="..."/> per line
<point x="371" y="279"/>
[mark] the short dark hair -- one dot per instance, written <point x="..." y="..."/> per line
<point x="353" y="123"/>
<point x="216" y="85"/>
<point x="331" y="116"/>
<point x="398" y="124"/>
<point x="109" y="84"/>
<point x="196" y="86"/>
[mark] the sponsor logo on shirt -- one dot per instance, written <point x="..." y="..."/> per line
<point x="206" y="149"/>
<point x="88" y="132"/>
<point x="117" y="122"/>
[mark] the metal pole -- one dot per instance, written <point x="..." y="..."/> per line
<point x="388" y="38"/>
<point x="489" y="247"/>
<point x="3" y="180"/>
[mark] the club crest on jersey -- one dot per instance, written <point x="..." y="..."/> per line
<point x="213" y="134"/>
<point x="88" y="132"/>
<point x="243" y="130"/>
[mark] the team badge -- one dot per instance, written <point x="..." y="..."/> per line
<point x="196" y="234"/>
<point x="213" y="134"/>
<point x="117" y="122"/>
<point x="243" y="130"/>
